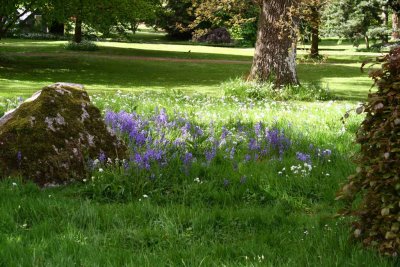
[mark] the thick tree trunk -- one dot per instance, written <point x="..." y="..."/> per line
<point x="275" y="53"/>
<point x="78" y="30"/>
<point x="395" y="26"/>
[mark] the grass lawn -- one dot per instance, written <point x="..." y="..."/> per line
<point x="228" y="211"/>
<point x="101" y="71"/>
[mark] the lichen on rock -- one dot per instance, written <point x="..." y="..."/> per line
<point x="50" y="137"/>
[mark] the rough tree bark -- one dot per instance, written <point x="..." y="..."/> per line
<point x="395" y="26"/>
<point x="315" y="23"/>
<point x="275" y="53"/>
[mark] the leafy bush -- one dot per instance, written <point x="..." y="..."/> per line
<point x="310" y="59"/>
<point x="252" y="90"/>
<point x="38" y="36"/>
<point x="246" y="33"/>
<point x="175" y="19"/>
<point x="83" y="46"/>
<point x="376" y="183"/>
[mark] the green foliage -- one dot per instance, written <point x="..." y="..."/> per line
<point x="253" y="90"/>
<point x="13" y="10"/>
<point x="175" y="18"/>
<point x="82" y="46"/>
<point x="240" y="16"/>
<point x="7" y="104"/>
<point x="376" y="182"/>
<point x="245" y="33"/>
<point x="355" y="19"/>
<point x="38" y="36"/>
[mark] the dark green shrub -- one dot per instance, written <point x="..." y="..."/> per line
<point x="175" y="18"/>
<point x="83" y="46"/>
<point x="374" y="191"/>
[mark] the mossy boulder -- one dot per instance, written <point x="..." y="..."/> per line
<point x="51" y="137"/>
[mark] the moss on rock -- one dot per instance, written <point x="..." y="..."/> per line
<point x="51" y="136"/>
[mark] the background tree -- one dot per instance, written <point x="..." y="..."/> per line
<point x="311" y="12"/>
<point x="356" y="19"/>
<point x="11" y="11"/>
<point x="80" y="11"/>
<point x="395" y="6"/>
<point x="130" y="13"/>
<point x="239" y="17"/>
<point x="175" y="18"/>
<point x="275" y="52"/>
<point x="102" y="15"/>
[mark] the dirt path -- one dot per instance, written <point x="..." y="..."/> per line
<point x="159" y="59"/>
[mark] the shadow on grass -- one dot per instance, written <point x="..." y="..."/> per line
<point x="107" y="74"/>
<point x="24" y="75"/>
<point x="347" y="82"/>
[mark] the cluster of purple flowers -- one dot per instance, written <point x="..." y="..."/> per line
<point x="160" y="139"/>
<point x="303" y="157"/>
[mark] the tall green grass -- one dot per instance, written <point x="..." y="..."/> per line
<point x="275" y="218"/>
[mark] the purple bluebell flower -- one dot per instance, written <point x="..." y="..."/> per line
<point x="210" y="154"/>
<point x="258" y="128"/>
<point x="187" y="160"/>
<point x="226" y="182"/>
<point x="126" y="165"/>
<point x="232" y="153"/>
<point x="162" y="117"/>
<point x="102" y="157"/>
<point x="243" y="180"/>
<point x="327" y="152"/>
<point x="253" y="144"/>
<point x="303" y="157"/>
<point x="186" y="129"/>
<point x="225" y="133"/>
<point x="198" y="131"/>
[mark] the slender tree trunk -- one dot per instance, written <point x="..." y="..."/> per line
<point x="366" y="41"/>
<point x="315" y="22"/>
<point x="314" y="43"/>
<point x="385" y="22"/>
<point x="78" y="30"/>
<point x="275" y="53"/>
<point x="78" y="24"/>
<point x="395" y="26"/>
